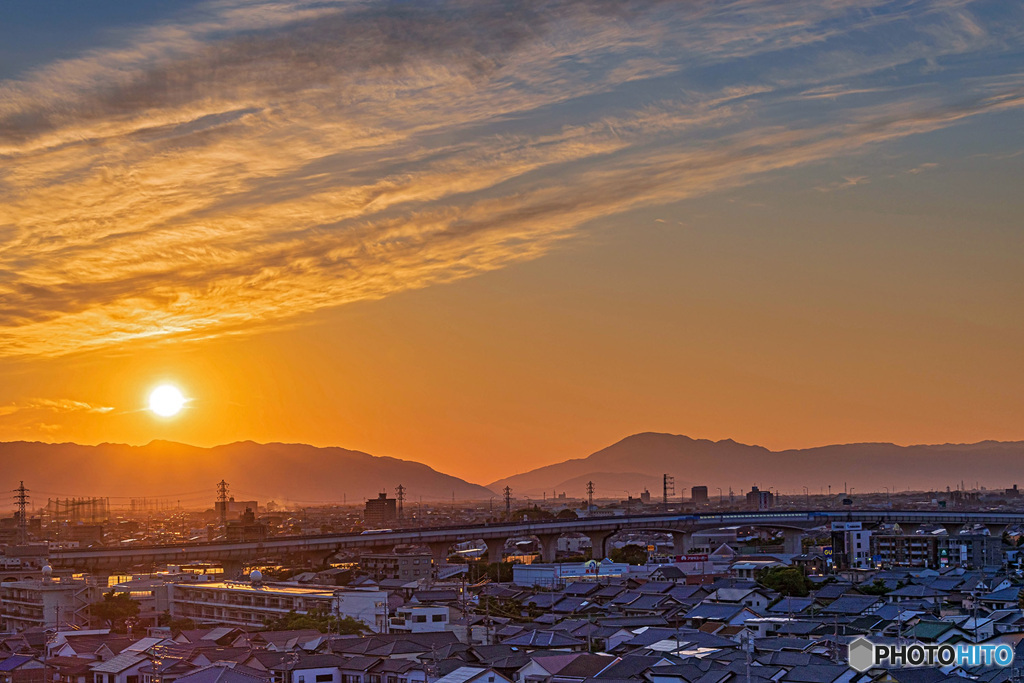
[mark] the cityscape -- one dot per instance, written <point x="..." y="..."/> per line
<point x="512" y="341"/>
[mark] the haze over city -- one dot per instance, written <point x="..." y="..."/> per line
<point x="490" y="237"/>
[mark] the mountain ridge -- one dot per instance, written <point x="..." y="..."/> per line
<point x="275" y="470"/>
<point x="731" y="464"/>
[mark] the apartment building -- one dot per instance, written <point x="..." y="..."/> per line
<point x="251" y="605"/>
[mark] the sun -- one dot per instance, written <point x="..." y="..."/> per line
<point x="166" y="400"/>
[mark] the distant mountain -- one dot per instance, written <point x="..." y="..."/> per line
<point x="641" y="460"/>
<point x="273" y="471"/>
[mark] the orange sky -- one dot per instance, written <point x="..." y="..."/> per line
<point x="526" y="247"/>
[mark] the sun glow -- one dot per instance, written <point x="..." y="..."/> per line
<point x="166" y="400"/>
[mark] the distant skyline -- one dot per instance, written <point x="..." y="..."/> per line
<point x="491" y="236"/>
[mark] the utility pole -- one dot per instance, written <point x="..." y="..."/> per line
<point x="508" y="502"/>
<point x="590" y="497"/>
<point x="21" y="500"/>
<point x="400" y="494"/>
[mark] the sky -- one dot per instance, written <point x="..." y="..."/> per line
<point x="493" y="235"/>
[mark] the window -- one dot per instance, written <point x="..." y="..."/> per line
<point x="438" y="617"/>
<point x="324" y="678"/>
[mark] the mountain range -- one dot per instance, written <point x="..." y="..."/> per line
<point x="309" y="474"/>
<point x="639" y="461"/>
<point x="262" y="472"/>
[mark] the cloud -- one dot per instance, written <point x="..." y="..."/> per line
<point x="232" y="174"/>
<point x="62" y="405"/>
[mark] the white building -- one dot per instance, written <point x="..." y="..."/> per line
<point x="420" y="619"/>
<point x="854" y="542"/>
<point x="32" y="603"/>
<point x="558" y="574"/>
<point x="250" y="605"/>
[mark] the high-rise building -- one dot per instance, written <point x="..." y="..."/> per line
<point x="380" y="510"/>
<point x="851" y="545"/>
<point x="699" y="495"/>
<point x="760" y="500"/>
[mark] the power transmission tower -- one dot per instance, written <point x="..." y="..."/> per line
<point x="222" y="502"/>
<point x="590" y="496"/>
<point x="508" y="502"/>
<point x="400" y="491"/>
<point x="668" y="486"/>
<point x="21" y="500"/>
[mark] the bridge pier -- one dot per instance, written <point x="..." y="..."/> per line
<point x="598" y="544"/>
<point x="495" y="550"/>
<point x="548" y="547"/>
<point x="232" y="569"/>
<point x="792" y="542"/>
<point x="439" y="551"/>
<point x="682" y="541"/>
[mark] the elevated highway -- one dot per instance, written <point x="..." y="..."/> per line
<point x="439" y="539"/>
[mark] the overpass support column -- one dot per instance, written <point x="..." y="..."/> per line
<point x="495" y="550"/>
<point x="682" y="541"/>
<point x="232" y="568"/>
<point x="598" y="544"/>
<point x="792" y="542"/>
<point x="439" y="551"/>
<point x="548" y="547"/>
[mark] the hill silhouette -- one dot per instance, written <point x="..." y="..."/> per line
<point x="273" y="471"/>
<point x="642" y="459"/>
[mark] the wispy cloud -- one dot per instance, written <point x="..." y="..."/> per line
<point x="232" y="174"/>
<point x="62" y="405"/>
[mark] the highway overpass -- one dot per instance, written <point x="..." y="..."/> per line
<point x="439" y="539"/>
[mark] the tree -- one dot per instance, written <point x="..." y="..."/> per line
<point x="629" y="554"/>
<point x="176" y="624"/>
<point x="115" y="609"/>
<point x="532" y="514"/>
<point x="878" y="587"/>
<point x="319" y="620"/>
<point x="787" y="581"/>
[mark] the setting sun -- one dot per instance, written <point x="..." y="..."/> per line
<point x="166" y="400"/>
